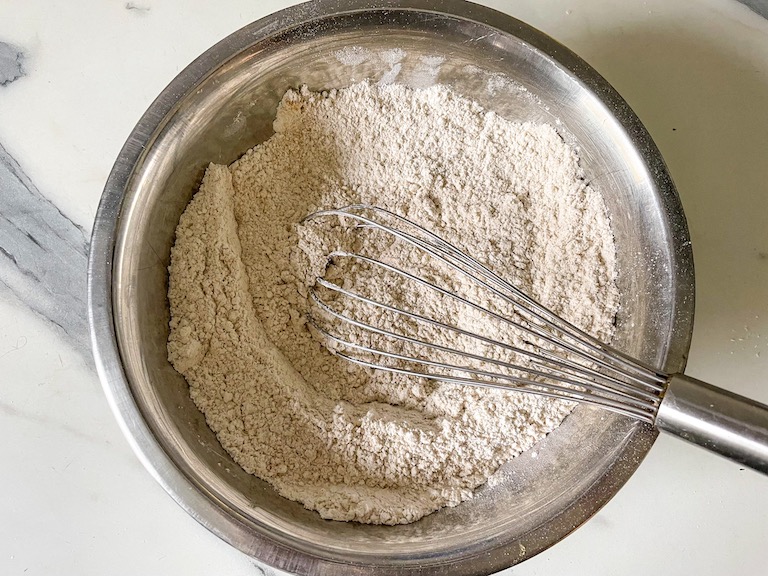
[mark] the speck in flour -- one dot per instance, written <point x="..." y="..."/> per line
<point x="351" y="444"/>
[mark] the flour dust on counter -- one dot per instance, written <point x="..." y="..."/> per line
<point x="348" y="442"/>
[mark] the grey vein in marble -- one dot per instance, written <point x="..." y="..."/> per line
<point x="10" y="411"/>
<point x="264" y="570"/>
<point x="43" y="255"/>
<point x="757" y="6"/>
<point x="137" y="8"/>
<point x="11" y="63"/>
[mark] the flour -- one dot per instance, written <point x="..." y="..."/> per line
<point x="347" y="442"/>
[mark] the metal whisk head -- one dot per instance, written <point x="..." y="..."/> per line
<point x="547" y="355"/>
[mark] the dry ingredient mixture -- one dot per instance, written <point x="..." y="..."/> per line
<point x="348" y="442"/>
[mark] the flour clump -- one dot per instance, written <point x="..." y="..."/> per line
<point x="349" y="443"/>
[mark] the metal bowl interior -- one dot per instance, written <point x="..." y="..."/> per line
<point x="223" y="104"/>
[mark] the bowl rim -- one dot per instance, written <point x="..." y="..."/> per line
<point x="202" y="506"/>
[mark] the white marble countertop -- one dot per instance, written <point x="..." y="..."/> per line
<point x="75" y="77"/>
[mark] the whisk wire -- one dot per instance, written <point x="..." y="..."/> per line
<point x="552" y="319"/>
<point x="445" y="252"/>
<point x="549" y="391"/>
<point x="604" y="392"/>
<point x="570" y="364"/>
<point x="569" y="372"/>
<point x="530" y="330"/>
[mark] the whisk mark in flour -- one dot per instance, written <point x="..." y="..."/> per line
<point x="352" y="444"/>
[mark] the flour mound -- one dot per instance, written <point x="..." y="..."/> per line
<point x="349" y="443"/>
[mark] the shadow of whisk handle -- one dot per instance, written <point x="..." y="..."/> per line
<point x="720" y="421"/>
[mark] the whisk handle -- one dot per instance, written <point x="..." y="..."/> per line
<point x="720" y="421"/>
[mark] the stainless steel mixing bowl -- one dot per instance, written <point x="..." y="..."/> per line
<point x="224" y="103"/>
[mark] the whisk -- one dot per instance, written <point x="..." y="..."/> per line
<point x="554" y="358"/>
